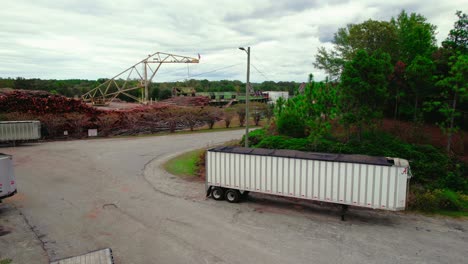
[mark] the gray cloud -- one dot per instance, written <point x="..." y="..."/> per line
<point x="94" y="39"/>
<point x="326" y="33"/>
<point x="274" y="9"/>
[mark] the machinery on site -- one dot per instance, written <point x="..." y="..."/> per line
<point x="222" y="98"/>
<point x="347" y="180"/>
<point x="133" y="79"/>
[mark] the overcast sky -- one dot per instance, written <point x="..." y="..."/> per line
<point x="89" y="39"/>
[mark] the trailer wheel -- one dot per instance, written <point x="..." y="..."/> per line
<point x="217" y="193"/>
<point x="233" y="196"/>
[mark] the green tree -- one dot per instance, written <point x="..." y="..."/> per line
<point x="420" y="78"/>
<point x="457" y="39"/>
<point x="455" y="90"/>
<point x="371" y="36"/>
<point x="397" y="86"/>
<point x="155" y="91"/>
<point x="415" y="36"/>
<point x="364" y="89"/>
<point x="165" y="94"/>
<point x="309" y="113"/>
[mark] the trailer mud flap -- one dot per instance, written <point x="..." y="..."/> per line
<point x="208" y="191"/>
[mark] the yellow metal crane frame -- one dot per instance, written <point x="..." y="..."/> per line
<point x="110" y="89"/>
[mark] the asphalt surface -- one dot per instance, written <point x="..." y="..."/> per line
<point x="80" y="196"/>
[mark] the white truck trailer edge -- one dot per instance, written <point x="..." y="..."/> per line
<point x="20" y="131"/>
<point x="7" y="177"/>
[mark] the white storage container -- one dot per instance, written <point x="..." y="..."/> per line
<point x="20" y="130"/>
<point x="357" y="180"/>
<point x="7" y="177"/>
<point x="273" y="96"/>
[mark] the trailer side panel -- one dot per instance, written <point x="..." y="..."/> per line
<point x="20" y="130"/>
<point x="365" y="185"/>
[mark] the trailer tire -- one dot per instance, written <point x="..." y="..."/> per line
<point x="217" y="193"/>
<point x="233" y="196"/>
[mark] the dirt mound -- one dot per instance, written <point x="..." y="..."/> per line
<point x="40" y="102"/>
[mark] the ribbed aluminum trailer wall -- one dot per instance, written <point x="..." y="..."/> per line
<point x="20" y="130"/>
<point x="357" y="180"/>
<point x="7" y="177"/>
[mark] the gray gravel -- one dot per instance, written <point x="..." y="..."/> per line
<point x="91" y="194"/>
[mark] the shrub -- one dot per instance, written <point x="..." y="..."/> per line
<point x="200" y="164"/>
<point x="192" y="117"/>
<point x="258" y="111"/>
<point x="211" y="115"/>
<point x="256" y="136"/>
<point x="291" y="124"/>
<point x="439" y="199"/>
<point x="426" y="201"/>
<point x="228" y="116"/>
<point x="282" y="142"/>
<point x="240" y="110"/>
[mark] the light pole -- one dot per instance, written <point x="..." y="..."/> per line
<point x="247" y="86"/>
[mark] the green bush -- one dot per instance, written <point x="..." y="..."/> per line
<point x="439" y="199"/>
<point x="426" y="201"/>
<point x="255" y="137"/>
<point x="282" y="142"/>
<point x="291" y="124"/>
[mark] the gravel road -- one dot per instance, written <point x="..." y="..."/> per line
<point x="79" y="196"/>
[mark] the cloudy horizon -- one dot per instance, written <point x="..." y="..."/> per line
<point x="87" y="39"/>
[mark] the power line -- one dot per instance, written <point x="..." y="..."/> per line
<point x="260" y="64"/>
<point x="266" y="78"/>
<point x="203" y="73"/>
<point x="179" y="71"/>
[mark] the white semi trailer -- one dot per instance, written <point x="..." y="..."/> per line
<point x="356" y="180"/>
<point x="7" y="177"/>
<point x="20" y="131"/>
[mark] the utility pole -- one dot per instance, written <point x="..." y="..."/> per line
<point x="247" y="94"/>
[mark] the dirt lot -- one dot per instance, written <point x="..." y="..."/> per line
<point x="79" y="196"/>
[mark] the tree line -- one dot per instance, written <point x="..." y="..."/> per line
<point x="395" y="69"/>
<point x="158" y="90"/>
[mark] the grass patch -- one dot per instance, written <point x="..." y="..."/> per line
<point x="452" y="213"/>
<point x="6" y="261"/>
<point x="184" y="165"/>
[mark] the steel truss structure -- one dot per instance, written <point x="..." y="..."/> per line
<point x="134" y="79"/>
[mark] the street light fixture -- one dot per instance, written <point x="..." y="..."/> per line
<point x="247" y="86"/>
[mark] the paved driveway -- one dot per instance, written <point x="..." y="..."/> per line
<point x="79" y="196"/>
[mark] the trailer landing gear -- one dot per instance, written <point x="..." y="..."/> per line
<point x="344" y="209"/>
